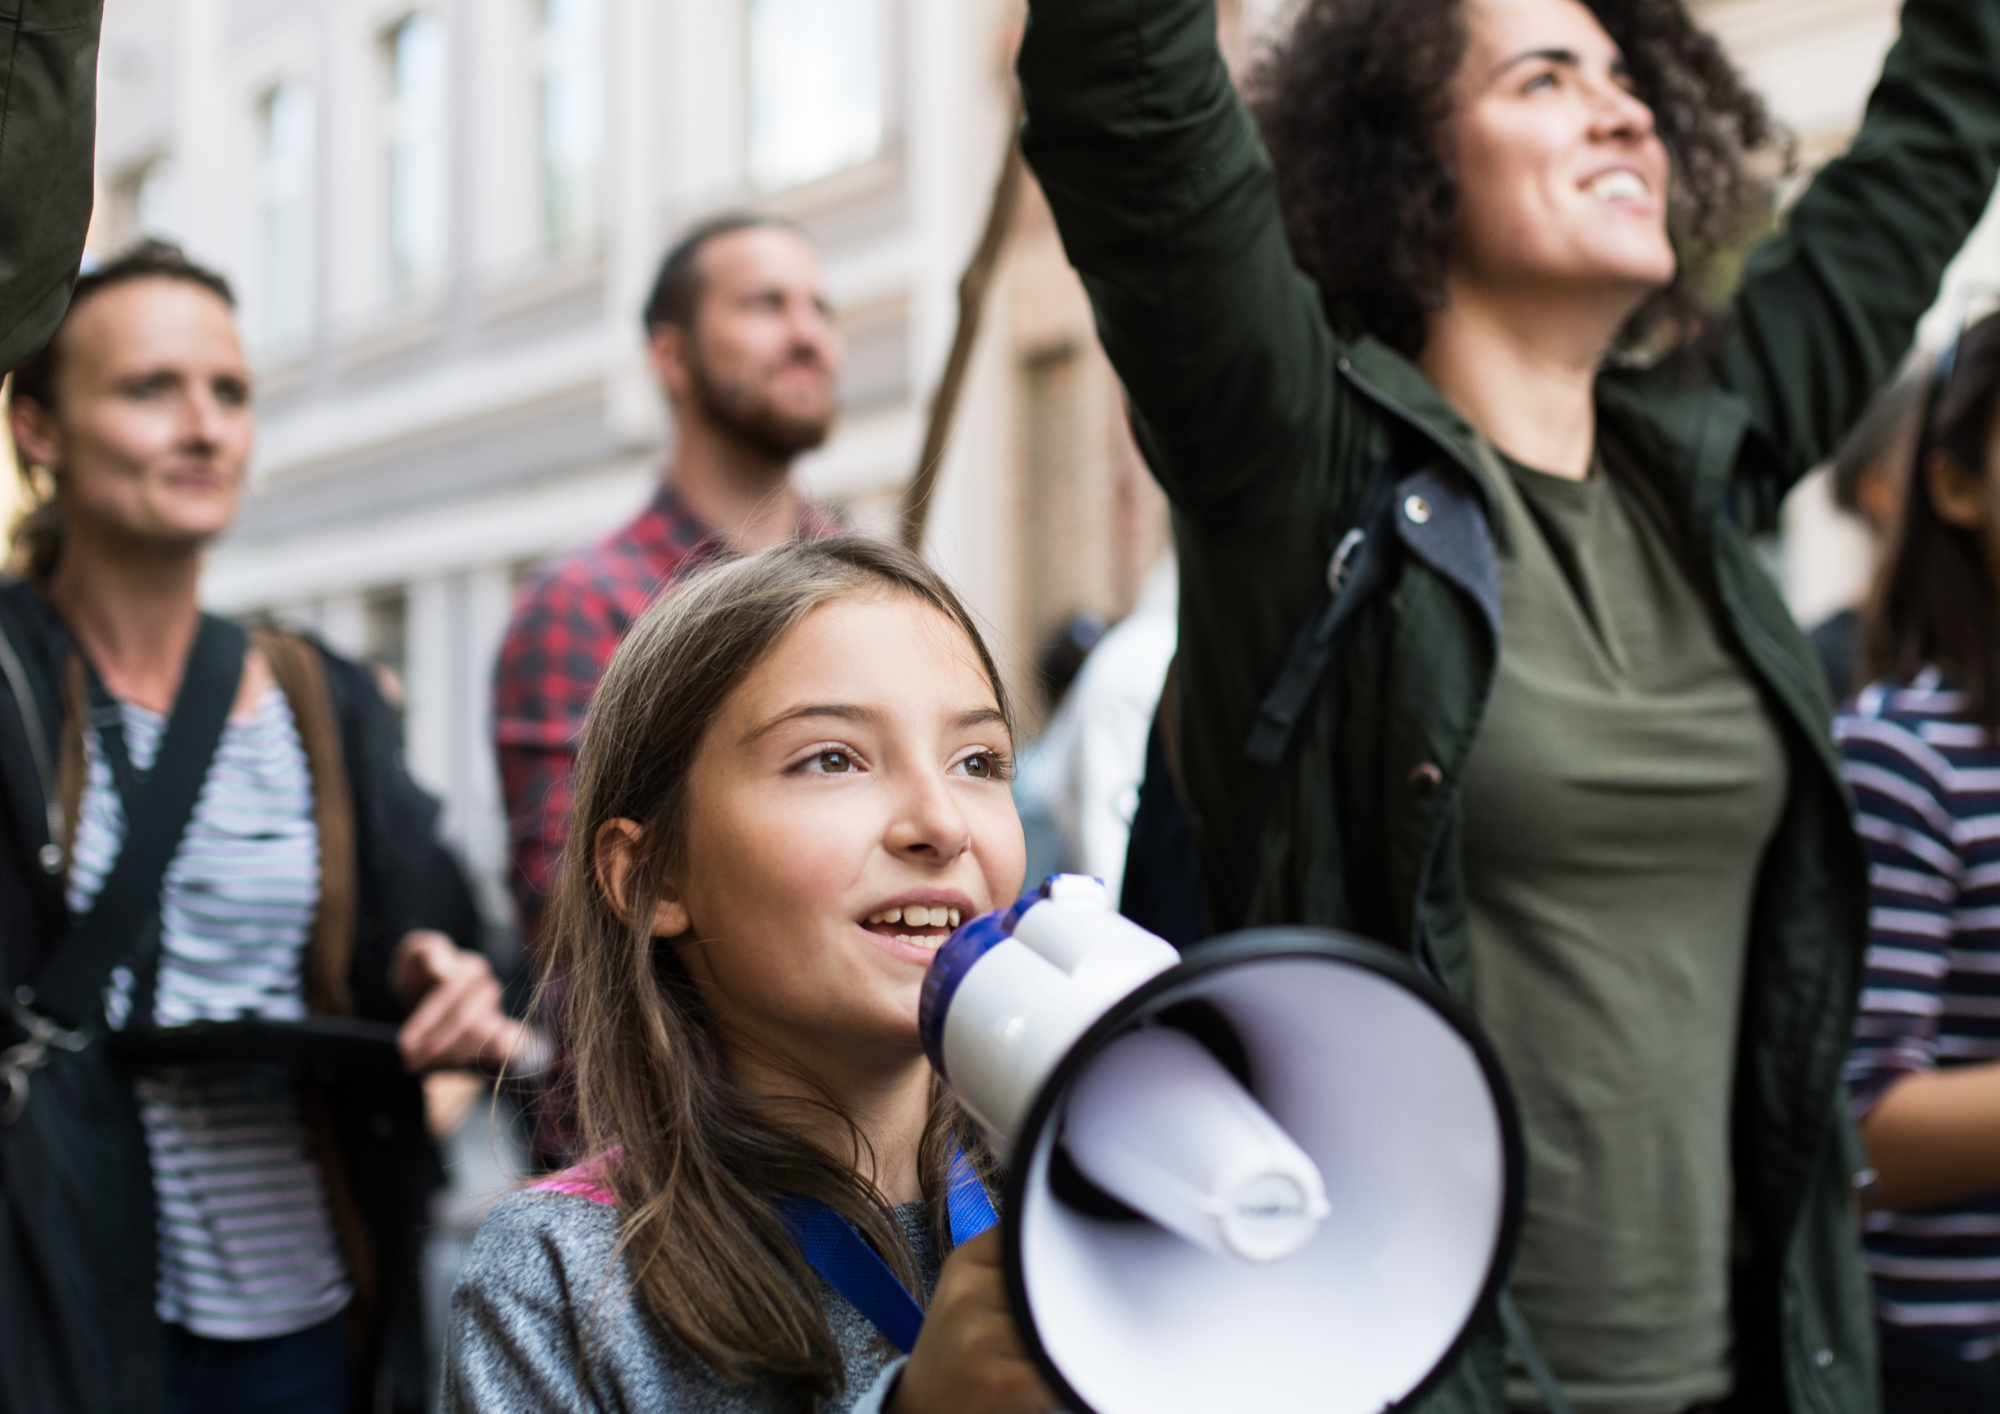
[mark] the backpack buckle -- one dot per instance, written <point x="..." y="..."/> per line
<point x="1342" y="563"/>
<point x="19" y="1062"/>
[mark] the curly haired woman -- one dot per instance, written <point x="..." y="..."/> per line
<point x="1573" y="752"/>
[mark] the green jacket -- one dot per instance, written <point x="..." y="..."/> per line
<point x="48" y="128"/>
<point x="1265" y="428"/>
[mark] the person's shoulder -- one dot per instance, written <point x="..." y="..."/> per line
<point x="1916" y="730"/>
<point x="304" y="662"/>
<point x="534" y="1233"/>
<point x="543" y="1276"/>
<point x="27" y="615"/>
<point x="580" y="577"/>
<point x="1921" y="704"/>
<point x="17" y="595"/>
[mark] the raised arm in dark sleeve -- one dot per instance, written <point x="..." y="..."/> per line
<point x="1168" y="209"/>
<point x="1830" y="304"/>
<point x="48" y="129"/>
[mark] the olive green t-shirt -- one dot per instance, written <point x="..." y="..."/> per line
<point x="1625" y="782"/>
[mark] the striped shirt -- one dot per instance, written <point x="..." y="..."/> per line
<point x="1927" y="800"/>
<point x="247" y="1247"/>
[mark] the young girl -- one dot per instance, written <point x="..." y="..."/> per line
<point x="792" y="787"/>
<point x="1923" y="755"/>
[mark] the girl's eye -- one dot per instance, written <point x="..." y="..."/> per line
<point x="831" y="762"/>
<point x="1544" y="80"/>
<point x="985" y="766"/>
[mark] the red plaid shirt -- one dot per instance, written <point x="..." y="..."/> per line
<point x="568" y="620"/>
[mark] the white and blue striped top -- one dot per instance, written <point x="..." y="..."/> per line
<point x="1927" y="805"/>
<point x="247" y="1246"/>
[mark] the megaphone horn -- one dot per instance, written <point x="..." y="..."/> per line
<point x="1282" y="1174"/>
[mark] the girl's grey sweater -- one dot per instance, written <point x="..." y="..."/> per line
<point x="540" y="1267"/>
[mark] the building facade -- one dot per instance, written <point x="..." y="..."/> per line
<point x="443" y="216"/>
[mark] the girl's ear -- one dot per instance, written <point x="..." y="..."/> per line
<point x="614" y="853"/>
<point x="1958" y="495"/>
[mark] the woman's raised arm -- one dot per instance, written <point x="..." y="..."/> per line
<point x="1167" y="207"/>
<point x="48" y="95"/>
<point x="1829" y="304"/>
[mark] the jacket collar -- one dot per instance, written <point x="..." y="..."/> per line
<point x="1695" y="433"/>
<point x="1691" y="429"/>
<point x="1397" y="386"/>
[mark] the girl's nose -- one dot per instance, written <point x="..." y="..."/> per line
<point x="929" y="825"/>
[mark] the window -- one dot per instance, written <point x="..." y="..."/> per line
<point x="416" y="152"/>
<point x="572" y="85"/>
<point x="139" y="201"/>
<point x="284" y="218"/>
<point x="815" y="88"/>
<point x="157" y="199"/>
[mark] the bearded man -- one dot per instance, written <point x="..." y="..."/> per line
<point x="743" y="342"/>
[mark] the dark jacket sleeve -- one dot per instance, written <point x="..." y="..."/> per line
<point x="1168" y="209"/>
<point x="48" y="129"/>
<point x="1830" y="304"/>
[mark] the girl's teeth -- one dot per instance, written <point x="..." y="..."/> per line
<point x="918" y="916"/>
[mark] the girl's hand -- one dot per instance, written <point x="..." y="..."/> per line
<point x="969" y="1358"/>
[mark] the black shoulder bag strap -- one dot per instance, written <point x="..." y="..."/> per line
<point x="68" y="991"/>
<point x="1361" y="565"/>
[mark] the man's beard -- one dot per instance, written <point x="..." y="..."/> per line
<point x="743" y="410"/>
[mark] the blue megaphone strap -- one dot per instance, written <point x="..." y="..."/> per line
<point x="857" y="1271"/>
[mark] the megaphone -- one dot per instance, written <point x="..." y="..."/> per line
<point x="1281" y="1174"/>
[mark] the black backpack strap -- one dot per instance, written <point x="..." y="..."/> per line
<point x="69" y="988"/>
<point x="1361" y="565"/>
<point x="49" y="855"/>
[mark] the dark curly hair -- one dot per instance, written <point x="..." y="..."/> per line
<point x="1353" y="108"/>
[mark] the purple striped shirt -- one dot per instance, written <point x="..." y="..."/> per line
<point x="1927" y="804"/>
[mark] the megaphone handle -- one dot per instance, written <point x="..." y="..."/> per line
<point x="1523" y="1341"/>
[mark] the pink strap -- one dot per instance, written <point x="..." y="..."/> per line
<point x="585" y="1180"/>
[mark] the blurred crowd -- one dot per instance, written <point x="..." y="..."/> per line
<point x="1656" y="755"/>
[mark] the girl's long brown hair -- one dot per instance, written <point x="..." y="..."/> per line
<point x="1935" y="601"/>
<point x="701" y="1161"/>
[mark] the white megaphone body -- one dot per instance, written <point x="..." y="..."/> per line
<point x="1280" y="1175"/>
